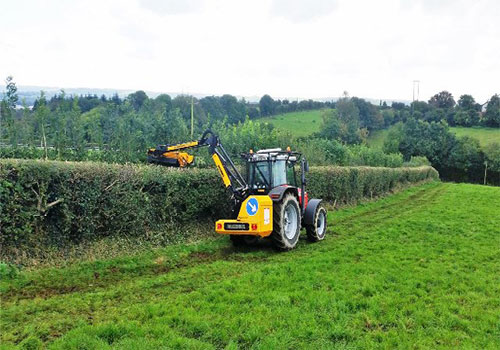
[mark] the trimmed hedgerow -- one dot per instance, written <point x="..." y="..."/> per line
<point x="59" y="203"/>
<point x="350" y="184"/>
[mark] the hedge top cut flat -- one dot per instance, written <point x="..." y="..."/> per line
<point x="268" y="203"/>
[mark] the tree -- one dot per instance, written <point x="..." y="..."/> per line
<point x="41" y="115"/>
<point x="253" y="113"/>
<point x="332" y="126"/>
<point x="137" y="99"/>
<point x="462" y="118"/>
<point x="432" y="140"/>
<point x="369" y="116"/>
<point x="492" y="154"/>
<point x="467" y="102"/>
<point x="266" y="106"/>
<point x="234" y="109"/>
<point x="183" y="103"/>
<point x="444" y="99"/>
<point x="164" y="101"/>
<point x="342" y="124"/>
<point x="420" y="106"/>
<point x="8" y="110"/>
<point x="492" y="114"/>
<point x="398" y="106"/>
<point x="466" y="154"/>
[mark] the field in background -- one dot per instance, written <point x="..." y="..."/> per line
<point x="298" y="124"/>
<point x="376" y="138"/>
<point x="485" y="136"/>
<point x="418" y="269"/>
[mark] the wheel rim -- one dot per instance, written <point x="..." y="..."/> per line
<point x="321" y="223"/>
<point x="290" y="221"/>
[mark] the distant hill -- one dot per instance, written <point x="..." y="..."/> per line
<point x="29" y="93"/>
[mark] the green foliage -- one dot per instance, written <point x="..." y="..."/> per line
<point x="350" y="184"/>
<point x="7" y="270"/>
<point x="344" y="124"/>
<point x="444" y="99"/>
<point x="492" y="155"/>
<point x="417" y="161"/>
<point x="417" y="269"/>
<point x="266" y="106"/>
<point x="492" y="115"/>
<point x="319" y="151"/>
<point x="392" y="138"/>
<point x="363" y="155"/>
<point x="369" y="115"/>
<point x="7" y="112"/>
<point x="56" y="203"/>
<point x="466" y="154"/>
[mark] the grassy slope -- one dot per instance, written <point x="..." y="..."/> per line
<point x="376" y="138"/>
<point x="419" y="269"/>
<point x="298" y="123"/>
<point x="484" y="135"/>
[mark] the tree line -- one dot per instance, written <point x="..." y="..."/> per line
<point x="422" y="129"/>
<point x="115" y="129"/>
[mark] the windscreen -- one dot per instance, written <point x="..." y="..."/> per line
<point x="258" y="175"/>
<point x="279" y="173"/>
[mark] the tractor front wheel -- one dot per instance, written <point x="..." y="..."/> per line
<point x="286" y="223"/>
<point x="317" y="231"/>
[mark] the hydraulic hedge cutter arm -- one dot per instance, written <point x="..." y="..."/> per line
<point x="172" y="155"/>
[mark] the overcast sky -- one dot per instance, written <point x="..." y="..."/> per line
<point x="287" y="48"/>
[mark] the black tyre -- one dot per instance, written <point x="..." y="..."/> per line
<point x="317" y="231"/>
<point x="286" y="223"/>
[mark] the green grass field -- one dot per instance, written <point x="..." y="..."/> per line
<point x="297" y="123"/>
<point x="376" y="138"/>
<point x="416" y="270"/>
<point x="485" y="136"/>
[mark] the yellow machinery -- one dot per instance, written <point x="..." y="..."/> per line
<point x="268" y="203"/>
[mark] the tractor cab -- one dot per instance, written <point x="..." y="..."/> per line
<point x="270" y="168"/>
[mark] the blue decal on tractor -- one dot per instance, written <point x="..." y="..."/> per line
<point x="252" y="206"/>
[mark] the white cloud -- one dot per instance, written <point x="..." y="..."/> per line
<point x="306" y="49"/>
<point x="300" y="10"/>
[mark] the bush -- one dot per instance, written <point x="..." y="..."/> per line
<point x="363" y="155"/>
<point x="56" y="203"/>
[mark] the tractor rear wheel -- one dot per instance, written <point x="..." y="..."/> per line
<point x="286" y="223"/>
<point x="317" y="231"/>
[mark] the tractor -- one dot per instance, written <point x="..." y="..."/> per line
<point x="269" y="202"/>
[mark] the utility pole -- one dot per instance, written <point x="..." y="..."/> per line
<point x="192" y="116"/>
<point x="417" y="84"/>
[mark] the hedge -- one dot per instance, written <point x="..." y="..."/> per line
<point x="59" y="203"/>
